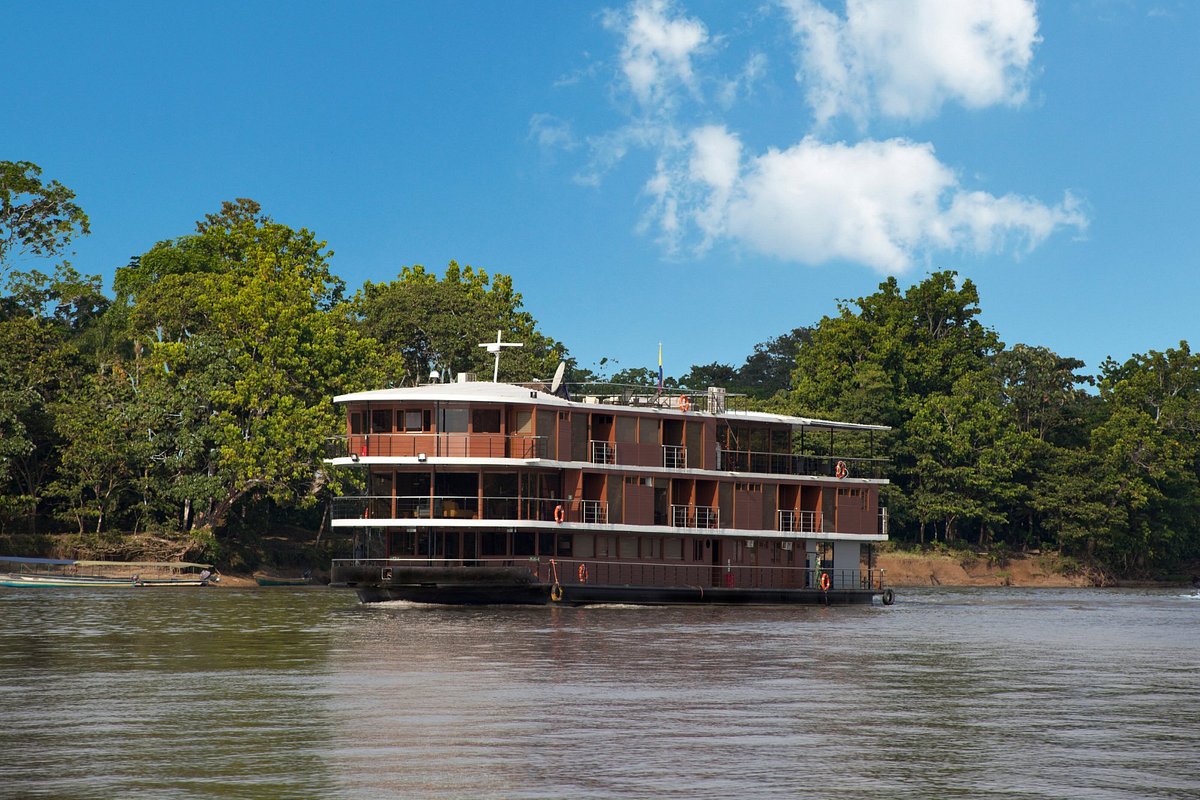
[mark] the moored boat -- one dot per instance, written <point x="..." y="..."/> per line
<point x="22" y="572"/>
<point x="483" y="492"/>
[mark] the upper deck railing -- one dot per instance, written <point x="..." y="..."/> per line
<point x="429" y="445"/>
<point x="791" y="464"/>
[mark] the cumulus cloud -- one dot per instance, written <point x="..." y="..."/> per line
<point x="656" y="56"/>
<point x="886" y="204"/>
<point x="906" y="58"/>
<point x="551" y="133"/>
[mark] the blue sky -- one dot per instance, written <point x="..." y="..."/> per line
<point x="706" y="175"/>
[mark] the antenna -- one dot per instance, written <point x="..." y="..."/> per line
<point x="558" y="377"/>
<point x="496" y="347"/>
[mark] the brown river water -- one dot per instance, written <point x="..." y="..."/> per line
<point x="279" y="693"/>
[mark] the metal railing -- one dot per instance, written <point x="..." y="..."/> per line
<point x="797" y="521"/>
<point x="695" y="516"/>
<point x="435" y="445"/>
<point x="469" y="507"/>
<point x="602" y="452"/>
<point x="883" y="520"/>
<point x="789" y="464"/>
<point x="674" y="456"/>
<point x="575" y="571"/>
<point x="594" y="512"/>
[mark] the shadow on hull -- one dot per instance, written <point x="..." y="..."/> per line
<point x="516" y="586"/>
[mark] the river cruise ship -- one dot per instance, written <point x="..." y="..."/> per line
<point x="484" y="492"/>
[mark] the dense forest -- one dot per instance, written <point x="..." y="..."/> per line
<point x="194" y="401"/>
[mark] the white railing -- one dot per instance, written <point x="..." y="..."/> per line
<point x="603" y="452"/>
<point x="883" y="520"/>
<point x="797" y="521"/>
<point x="674" y="456"/>
<point x="595" y="512"/>
<point x="695" y="516"/>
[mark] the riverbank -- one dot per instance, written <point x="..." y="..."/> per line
<point x="907" y="569"/>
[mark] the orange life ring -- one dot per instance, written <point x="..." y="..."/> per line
<point x="825" y="582"/>
<point x="583" y="573"/>
<point x="559" y="513"/>
<point x="841" y="470"/>
<point x="685" y="404"/>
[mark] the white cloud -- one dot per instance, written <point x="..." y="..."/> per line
<point x="906" y="58"/>
<point x="658" y="49"/>
<point x="551" y="133"/>
<point x="886" y="204"/>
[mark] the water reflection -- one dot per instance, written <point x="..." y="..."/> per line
<point x="972" y="693"/>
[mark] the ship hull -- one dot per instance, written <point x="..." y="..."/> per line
<point x="516" y="586"/>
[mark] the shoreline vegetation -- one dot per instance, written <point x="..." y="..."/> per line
<point x="196" y="398"/>
<point x="289" y="553"/>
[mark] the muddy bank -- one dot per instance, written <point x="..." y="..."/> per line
<point x="939" y="569"/>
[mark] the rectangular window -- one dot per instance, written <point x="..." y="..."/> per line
<point x="485" y="420"/>
<point x="564" y="545"/>
<point x="606" y="547"/>
<point x="522" y="543"/>
<point x="493" y="543"/>
<point x="381" y="421"/>
<point x="651" y="547"/>
<point x="697" y="550"/>
<point x="673" y="549"/>
<point x="585" y="545"/>
<point x="629" y="547"/>
<point x="413" y="420"/>
<point x="356" y="422"/>
<point x="454" y="420"/>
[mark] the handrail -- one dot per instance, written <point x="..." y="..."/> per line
<point x="685" y="516"/>
<point x="794" y="464"/>
<point x="791" y="521"/>
<point x="543" y="509"/>
<point x="429" y="445"/>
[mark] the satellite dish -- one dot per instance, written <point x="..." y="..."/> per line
<point x="558" y="377"/>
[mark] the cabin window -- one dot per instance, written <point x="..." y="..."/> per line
<point x="454" y="420"/>
<point x="546" y="544"/>
<point x="698" y="549"/>
<point x="402" y="543"/>
<point x="629" y="547"/>
<point x="651" y="547"/>
<point x="564" y="544"/>
<point x="493" y="543"/>
<point x="381" y="421"/>
<point x="606" y="546"/>
<point x="485" y="420"/>
<point x="356" y="422"/>
<point x="415" y="420"/>
<point x="673" y="549"/>
<point x="627" y="429"/>
<point x="523" y="543"/>
<point x="585" y="545"/>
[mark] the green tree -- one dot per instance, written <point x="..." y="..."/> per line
<point x="36" y="218"/>
<point x="1149" y="453"/>
<point x="438" y="325"/>
<point x="246" y="343"/>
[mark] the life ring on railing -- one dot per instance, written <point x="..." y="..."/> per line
<point x="685" y="404"/>
<point x="556" y="592"/>
<point x="583" y="573"/>
<point x="889" y="597"/>
<point x="824" y="582"/>
<point x="559" y="514"/>
<point x="841" y="470"/>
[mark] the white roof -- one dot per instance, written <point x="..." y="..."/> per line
<point x="486" y="392"/>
